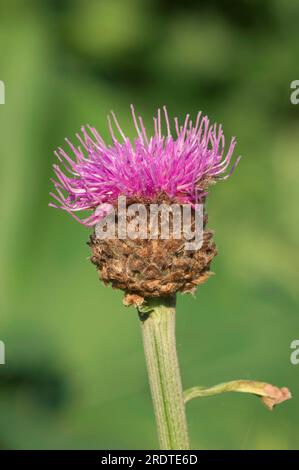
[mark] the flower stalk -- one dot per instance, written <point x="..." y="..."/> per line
<point x="158" y="331"/>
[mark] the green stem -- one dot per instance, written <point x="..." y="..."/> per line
<point x="158" y="330"/>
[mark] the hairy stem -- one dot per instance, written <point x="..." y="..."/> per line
<point x="158" y="331"/>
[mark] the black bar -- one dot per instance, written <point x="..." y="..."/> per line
<point x="138" y="458"/>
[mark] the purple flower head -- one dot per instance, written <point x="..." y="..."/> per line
<point x="180" y="165"/>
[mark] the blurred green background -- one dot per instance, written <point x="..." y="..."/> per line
<point x="75" y="374"/>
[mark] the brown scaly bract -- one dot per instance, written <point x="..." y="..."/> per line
<point x="152" y="268"/>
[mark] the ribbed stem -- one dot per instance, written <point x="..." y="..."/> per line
<point x="158" y="330"/>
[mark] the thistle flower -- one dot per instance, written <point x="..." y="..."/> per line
<point x="180" y="166"/>
<point x="161" y="168"/>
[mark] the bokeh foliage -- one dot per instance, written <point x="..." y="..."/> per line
<point x="75" y="374"/>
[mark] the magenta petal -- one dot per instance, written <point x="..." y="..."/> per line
<point x="176" y="164"/>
